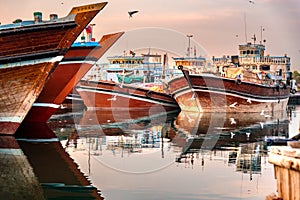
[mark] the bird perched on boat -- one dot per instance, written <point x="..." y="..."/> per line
<point x="249" y="100"/>
<point x="132" y="12"/>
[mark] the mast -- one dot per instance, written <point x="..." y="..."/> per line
<point x="245" y="23"/>
<point x="189" y="47"/>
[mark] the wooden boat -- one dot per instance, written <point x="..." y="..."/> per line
<point x="30" y="50"/>
<point x="123" y="97"/>
<point x="76" y="63"/>
<point x="114" y="91"/>
<point x="250" y="82"/>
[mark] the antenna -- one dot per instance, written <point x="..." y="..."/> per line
<point x="245" y="22"/>
<point x="261" y="33"/>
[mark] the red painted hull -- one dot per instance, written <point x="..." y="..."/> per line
<point x="108" y="95"/>
<point x="76" y="63"/>
<point x="218" y="94"/>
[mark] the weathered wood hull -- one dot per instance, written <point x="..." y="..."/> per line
<point x="20" y="86"/>
<point x="219" y="94"/>
<point x="111" y="95"/>
<point x="28" y="56"/>
<point x="76" y="63"/>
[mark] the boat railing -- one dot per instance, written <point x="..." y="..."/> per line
<point x="266" y="60"/>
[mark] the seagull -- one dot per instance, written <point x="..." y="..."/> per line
<point x="249" y="100"/>
<point x="261" y="125"/>
<point x="248" y="134"/>
<point x="267" y="116"/>
<point x="232" y="134"/>
<point x="233" y="105"/>
<point x="132" y="12"/>
<point x="114" y="98"/>
<point x="232" y="121"/>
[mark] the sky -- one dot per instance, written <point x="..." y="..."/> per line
<point x="218" y="26"/>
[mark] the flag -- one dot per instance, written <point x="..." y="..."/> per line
<point x="88" y="29"/>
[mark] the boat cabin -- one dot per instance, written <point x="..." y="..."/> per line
<point x="252" y="58"/>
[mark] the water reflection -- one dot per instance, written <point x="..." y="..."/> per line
<point x="58" y="174"/>
<point x="130" y="155"/>
<point x="17" y="180"/>
<point x="160" y="147"/>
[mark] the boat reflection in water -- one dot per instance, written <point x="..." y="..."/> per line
<point x="58" y="174"/>
<point x="112" y="122"/>
<point x="240" y="137"/>
<point x="108" y="133"/>
<point x="165" y="148"/>
<point x="17" y="180"/>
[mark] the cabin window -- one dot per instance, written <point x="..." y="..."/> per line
<point x="265" y="67"/>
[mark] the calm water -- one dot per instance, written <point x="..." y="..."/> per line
<point x="126" y="155"/>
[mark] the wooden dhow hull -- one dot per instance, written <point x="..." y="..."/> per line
<point x="75" y="64"/>
<point x="108" y="95"/>
<point x="29" y="53"/>
<point x="209" y="93"/>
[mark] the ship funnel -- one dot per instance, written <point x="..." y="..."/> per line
<point x="53" y="17"/>
<point x="37" y="17"/>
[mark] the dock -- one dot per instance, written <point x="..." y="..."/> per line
<point x="286" y="161"/>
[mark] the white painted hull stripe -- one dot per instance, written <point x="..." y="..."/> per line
<point x="11" y="119"/>
<point x="77" y="62"/>
<point x="234" y="95"/>
<point x="127" y="96"/>
<point x="50" y="105"/>
<point x="38" y="140"/>
<point x="32" y="62"/>
<point x="16" y="152"/>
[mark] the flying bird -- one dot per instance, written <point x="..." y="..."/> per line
<point x="233" y="105"/>
<point x="131" y="13"/>
<point x="232" y="120"/>
<point x="251" y="2"/>
<point x="248" y="134"/>
<point x="114" y="98"/>
<point x="261" y="125"/>
<point x="232" y="134"/>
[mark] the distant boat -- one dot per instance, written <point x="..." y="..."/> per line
<point x="110" y="88"/>
<point x="76" y="63"/>
<point x="29" y="52"/>
<point x="250" y="82"/>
